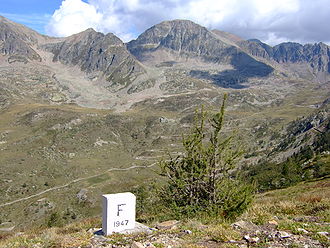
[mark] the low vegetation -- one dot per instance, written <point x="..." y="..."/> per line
<point x="311" y="161"/>
<point x="202" y="178"/>
<point x="305" y="206"/>
<point x="202" y="182"/>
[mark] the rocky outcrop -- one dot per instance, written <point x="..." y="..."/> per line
<point x="185" y="39"/>
<point x="257" y="48"/>
<point x="317" y="55"/>
<point x="95" y="52"/>
<point x="17" y="41"/>
<point x="181" y="37"/>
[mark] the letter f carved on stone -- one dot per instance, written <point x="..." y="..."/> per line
<point x="119" y="209"/>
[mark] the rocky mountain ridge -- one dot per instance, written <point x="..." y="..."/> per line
<point x="16" y="41"/>
<point x="290" y="52"/>
<point x="180" y="36"/>
<point x="106" y="58"/>
<point x="183" y="39"/>
<point x="314" y="57"/>
<point x="95" y="52"/>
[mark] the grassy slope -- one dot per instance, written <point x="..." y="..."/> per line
<point x="306" y="205"/>
<point x="46" y="146"/>
<point x="36" y="157"/>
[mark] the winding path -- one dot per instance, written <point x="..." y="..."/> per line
<point x="75" y="181"/>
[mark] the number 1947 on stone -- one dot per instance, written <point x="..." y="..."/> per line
<point x="120" y="223"/>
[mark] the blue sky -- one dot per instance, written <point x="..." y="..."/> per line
<point x="272" y="21"/>
<point x="32" y="13"/>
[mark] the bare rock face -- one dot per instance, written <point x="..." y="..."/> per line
<point x="317" y="55"/>
<point x="257" y="48"/>
<point x="182" y="40"/>
<point x="95" y="52"/>
<point x="16" y="41"/>
<point x="181" y="36"/>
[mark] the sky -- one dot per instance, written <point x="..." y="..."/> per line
<point x="271" y="21"/>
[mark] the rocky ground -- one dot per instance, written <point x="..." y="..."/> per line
<point x="245" y="233"/>
<point x="292" y="217"/>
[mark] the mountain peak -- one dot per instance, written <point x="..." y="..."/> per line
<point x="180" y="23"/>
<point x="178" y="36"/>
<point x="17" y="40"/>
<point x="97" y="53"/>
<point x="255" y="40"/>
<point x="89" y="31"/>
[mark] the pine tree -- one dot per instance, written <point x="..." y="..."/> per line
<point x="203" y="178"/>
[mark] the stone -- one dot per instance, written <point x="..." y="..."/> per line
<point x="93" y="230"/>
<point x="7" y="229"/>
<point x="302" y="230"/>
<point x="139" y="228"/>
<point x="170" y="224"/>
<point x="250" y="239"/>
<point x="246" y="237"/>
<point x="255" y="240"/>
<point x="245" y="225"/>
<point x="57" y="98"/>
<point x="72" y="155"/>
<point x="100" y="142"/>
<point x="273" y="222"/>
<point x="163" y="120"/>
<point x="283" y="235"/>
<point x="82" y="195"/>
<point x="323" y="233"/>
<point x="118" y="212"/>
<point x="100" y="239"/>
<point x="137" y="245"/>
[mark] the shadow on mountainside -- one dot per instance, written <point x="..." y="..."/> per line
<point x="245" y="67"/>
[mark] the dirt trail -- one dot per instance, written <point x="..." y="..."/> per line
<point x="75" y="181"/>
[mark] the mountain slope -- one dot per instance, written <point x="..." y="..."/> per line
<point x="313" y="58"/>
<point x="95" y="52"/>
<point x="183" y="37"/>
<point x="17" y="41"/>
<point x="179" y="41"/>
<point x="87" y="68"/>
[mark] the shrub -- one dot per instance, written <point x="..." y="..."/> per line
<point x="204" y="178"/>
<point x="54" y="220"/>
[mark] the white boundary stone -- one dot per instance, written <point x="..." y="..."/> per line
<point x="118" y="213"/>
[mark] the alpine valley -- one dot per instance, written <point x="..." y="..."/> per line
<point x="88" y="114"/>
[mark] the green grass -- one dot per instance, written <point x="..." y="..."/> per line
<point x="36" y="157"/>
<point x="293" y="208"/>
<point x="306" y="205"/>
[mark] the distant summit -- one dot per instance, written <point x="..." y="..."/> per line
<point x="95" y="52"/>
<point x="181" y="40"/>
<point x="183" y="37"/>
<point x="17" y="40"/>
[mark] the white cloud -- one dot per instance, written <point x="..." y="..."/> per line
<point x="268" y="20"/>
<point x="73" y="16"/>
